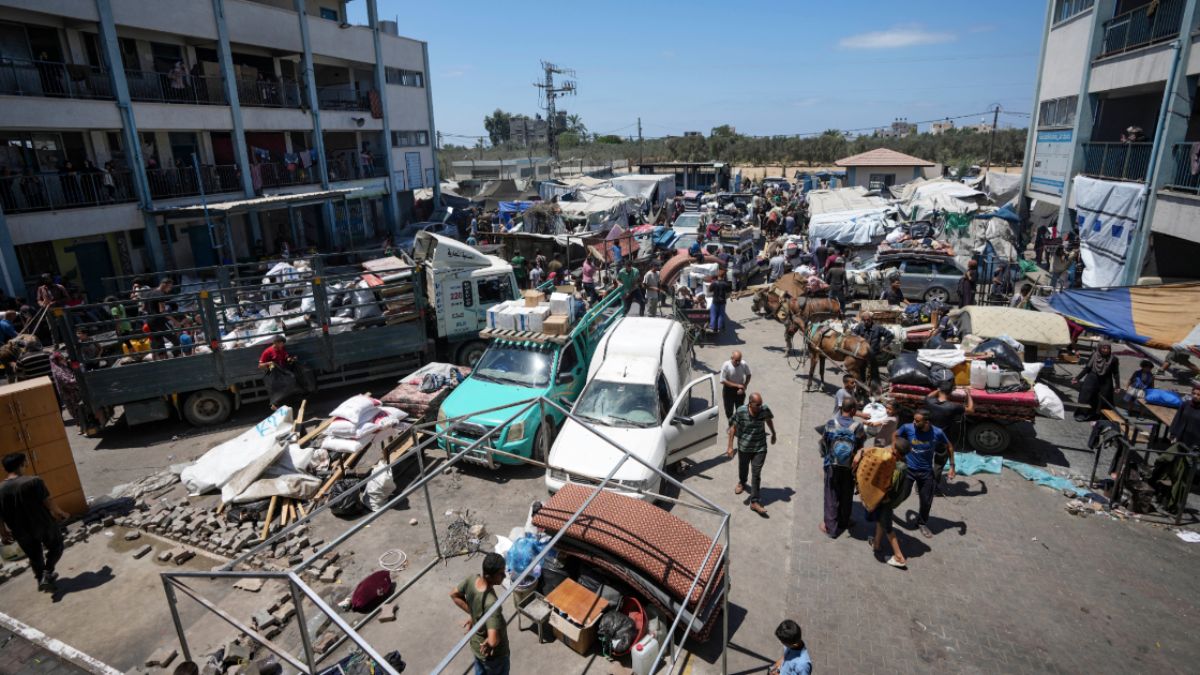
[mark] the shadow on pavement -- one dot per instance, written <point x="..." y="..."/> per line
<point x="83" y="581"/>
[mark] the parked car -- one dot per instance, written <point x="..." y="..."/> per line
<point x="688" y="222"/>
<point x="922" y="277"/>
<point x="640" y="395"/>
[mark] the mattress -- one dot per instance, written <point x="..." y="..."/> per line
<point x="1012" y="406"/>
<point x="418" y="404"/>
<point x="667" y="550"/>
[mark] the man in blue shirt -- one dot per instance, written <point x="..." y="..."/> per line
<point x="795" y="659"/>
<point x="7" y="330"/>
<point x="926" y="441"/>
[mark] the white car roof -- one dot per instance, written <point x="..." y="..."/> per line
<point x="631" y="369"/>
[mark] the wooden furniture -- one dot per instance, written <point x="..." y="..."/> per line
<point x="575" y="613"/>
<point x="30" y="423"/>
<point x="534" y="608"/>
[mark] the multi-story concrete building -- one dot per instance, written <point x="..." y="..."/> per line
<point x="939" y="128"/>
<point x="1116" y="100"/>
<point x="526" y="131"/>
<point x="138" y="136"/>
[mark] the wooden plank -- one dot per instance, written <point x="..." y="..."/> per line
<point x="270" y="516"/>
<point x="320" y="428"/>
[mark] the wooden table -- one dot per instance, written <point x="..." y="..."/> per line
<point x="579" y="604"/>
<point x="1163" y="417"/>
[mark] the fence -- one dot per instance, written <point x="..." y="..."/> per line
<point x="180" y="88"/>
<point x="46" y="192"/>
<point x="23" y="77"/>
<point x="185" y="182"/>
<point x="284" y="93"/>
<point x="1145" y="25"/>
<point x="1186" y="174"/>
<point x="1119" y="161"/>
<point x="343" y="97"/>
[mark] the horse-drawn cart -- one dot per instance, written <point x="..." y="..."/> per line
<point x="987" y="428"/>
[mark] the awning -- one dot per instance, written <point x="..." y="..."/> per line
<point x="256" y="203"/>
<point x="1162" y="317"/>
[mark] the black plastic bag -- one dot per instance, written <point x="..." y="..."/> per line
<point x="1003" y="354"/>
<point x="349" y="507"/>
<point x="936" y="341"/>
<point x="616" y="632"/>
<point x="906" y="369"/>
<point x="282" y="386"/>
<point x="939" y="375"/>
<point x="247" y="512"/>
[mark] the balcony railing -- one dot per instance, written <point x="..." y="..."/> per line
<point x="22" y="77"/>
<point x="1119" y="161"/>
<point x="1145" y="25"/>
<point x="185" y="182"/>
<point x="342" y="97"/>
<point x="278" y="174"/>
<point x="1186" y="174"/>
<point x="45" y="192"/>
<point x="168" y="88"/>
<point x="270" y="94"/>
<point x="348" y="166"/>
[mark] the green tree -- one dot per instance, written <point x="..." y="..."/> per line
<point x="576" y="126"/>
<point x="497" y="126"/>
<point x="723" y="131"/>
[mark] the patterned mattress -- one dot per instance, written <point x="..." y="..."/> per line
<point x="663" y="548"/>
<point x="1016" y="405"/>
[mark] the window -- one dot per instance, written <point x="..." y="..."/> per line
<point x="404" y="78"/>
<point x="918" y="268"/>
<point x="664" y="397"/>
<point x="1057" y="112"/>
<point x="569" y="360"/>
<point x="329" y="14"/>
<point x="408" y="139"/>
<point x="493" y="290"/>
<point x="1065" y="9"/>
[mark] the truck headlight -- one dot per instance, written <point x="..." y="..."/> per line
<point x="516" y="432"/>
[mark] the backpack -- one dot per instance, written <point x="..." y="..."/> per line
<point x="841" y="444"/>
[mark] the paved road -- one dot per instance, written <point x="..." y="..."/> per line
<point x="19" y="656"/>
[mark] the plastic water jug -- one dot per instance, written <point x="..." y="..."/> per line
<point x="645" y="653"/>
<point x="979" y="371"/>
<point x="993" y="376"/>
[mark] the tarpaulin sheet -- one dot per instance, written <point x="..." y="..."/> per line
<point x="1044" y="478"/>
<point x="1162" y="317"/>
<point x="971" y="463"/>
<point x="1107" y="218"/>
<point x="849" y="227"/>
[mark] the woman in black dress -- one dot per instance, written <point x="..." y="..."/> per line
<point x="1100" y="377"/>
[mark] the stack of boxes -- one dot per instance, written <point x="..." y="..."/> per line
<point x="531" y="313"/>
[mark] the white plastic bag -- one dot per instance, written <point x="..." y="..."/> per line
<point x="358" y="409"/>
<point x="380" y="487"/>
<point x="1049" y="404"/>
<point x="947" y="358"/>
<point x="347" y="445"/>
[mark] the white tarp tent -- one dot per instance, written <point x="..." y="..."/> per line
<point x="843" y="199"/>
<point x="654" y="188"/>
<point x="921" y="197"/>
<point x="599" y="207"/>
<point x="1108" y="213"/>
<point x="855" y="228"/>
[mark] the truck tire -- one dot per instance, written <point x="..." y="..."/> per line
<point x="988" y="437"/>
<point x="207" y="407"/>
<point x="470" y="352"/>
<point x="543" y="440"/>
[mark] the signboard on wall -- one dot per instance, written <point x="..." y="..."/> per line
<point x="1051" y="161"/>
<point x="398" y="181"/>
<point x="412" y="164"/>
<point x="429" y="177"/>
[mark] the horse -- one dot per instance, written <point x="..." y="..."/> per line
<point x="823" y="341"/>
<point x="798" y="313"/>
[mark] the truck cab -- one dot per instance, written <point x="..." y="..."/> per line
<point x="515" y="368"/>
<point x="461" y="285"/>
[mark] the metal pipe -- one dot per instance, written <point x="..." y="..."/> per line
<point x="437" y="544"/>
<point x="341" y="624"/>
<point x="173" y="603"/>
<point x="305" y="638"/>
<point x="224" y="616"/>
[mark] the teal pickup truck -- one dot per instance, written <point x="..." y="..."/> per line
<point x="515" y="368"/>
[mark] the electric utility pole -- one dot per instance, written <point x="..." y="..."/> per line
<point x="640" y="157"/>
<point x="551" y="92"/>
<point x="992" y="141"/>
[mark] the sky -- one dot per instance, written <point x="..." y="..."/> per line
<point x="784" y="67"/>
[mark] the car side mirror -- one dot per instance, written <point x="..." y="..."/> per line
<point x="683" y="419"/>
<point x="565" y="378"/>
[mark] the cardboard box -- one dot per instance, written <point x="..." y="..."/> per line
<point x="574" y="613"/>
<point x="569" y="289"/>
<point x="508" y="319"/>
<point x="556" y="324"/>
<point x="533" y="298"/>
<point x="534" y="317"/>
<point x="493" y="313"/>
<point x="560" y="303"/>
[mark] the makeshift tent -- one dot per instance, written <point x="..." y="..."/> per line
<point x="551" y="189"/>
<point x="655" y="189"/>
<point x="506" y="190"/>
<point x="598" y="208"/>
<point x="857" y="228"/>
<point x="1163" y="317"/>
<point x="920" y="197"/>
<point x="1000" y="186"/>
<point x="843" y="199"/>
<point x="1107" y="219"/>
<point x="509" y="210"/>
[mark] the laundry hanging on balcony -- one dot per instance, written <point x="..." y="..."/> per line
<point x="1107" y="217"/>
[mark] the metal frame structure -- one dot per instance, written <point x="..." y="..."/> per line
<point x="177" y="582"/>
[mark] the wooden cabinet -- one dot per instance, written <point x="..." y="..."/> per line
<point x="30" y="423"/>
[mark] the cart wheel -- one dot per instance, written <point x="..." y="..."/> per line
<point x="988" y="438"/>
<point x="207" y="407"/>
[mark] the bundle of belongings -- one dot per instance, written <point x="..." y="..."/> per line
<point x="421" y="393"/>
<point x="359" y="421"/>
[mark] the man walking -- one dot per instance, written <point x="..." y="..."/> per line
<point x="926" y="442"/>
<point x="749" y="426"/>
<point x="877" y="338"/>
<point x="841" y="439"/>
<point x="29" y="516"/>
<point x="630" y="291"/>
<point x="650" y="287"/>
<point x="475" y="596"/>
<point x="735" y="377"/>
<point x="718" y="293"/>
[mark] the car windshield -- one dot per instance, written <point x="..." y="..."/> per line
<point x="688" y="220"/>
<point x="409" y="232"/>
<point x="618" y="404"/>
<point x="514" y="365"/>
<point x="685" y="241"/>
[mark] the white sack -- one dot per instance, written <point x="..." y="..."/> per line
<point x="947" y="358"/>
<point x="1049" y="404"/>
<point x="358" y="409"/>
<point x="380" y="487"/>
<point x="214" y="468"/>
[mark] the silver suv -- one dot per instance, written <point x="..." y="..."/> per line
<point x="922" y="277"/>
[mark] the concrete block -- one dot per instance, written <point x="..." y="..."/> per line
<point x="251" y="585"/>
<point x="263" y="619"/>
<point x="284" y="613"/>
<point x="330" y="574"/>
<point x="142" y="552"/>
<point x="132" y="535"/>
<point x="323" y="643"/>
<point x="161" y="658"/>
<point x="388" y="613"/>
<point x="182" y="555"/>
<point x="283" y="598"/>
<point x="108" y="521"/>
<point x="166" y="555"/>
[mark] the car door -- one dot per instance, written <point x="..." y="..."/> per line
<point x="916" y="279"/>
<point x="692" y="420"/>
<point x="946" y="276"/>
<point x="569" y="381"/>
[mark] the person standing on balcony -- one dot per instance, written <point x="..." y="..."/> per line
<point x="109" y="182"/>
<point x="367" y="160"/>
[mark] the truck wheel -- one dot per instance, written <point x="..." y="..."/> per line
<point x="207" y="407"/>
<point x="542" y="441"/>
<point x="988" y="438"/>
<point x="470" y="353"/>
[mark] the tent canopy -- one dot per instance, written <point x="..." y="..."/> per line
<point x="1162" y="317"/>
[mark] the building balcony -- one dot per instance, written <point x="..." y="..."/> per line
<point x="1148" y="24"/>
<point x="283" y="93"/>
<point x="22" y="77"/>
<point x="157" y="87"/>
<point x="1117" y="161"/>
<point x="50" y="192"/>
<point x="186" y="182"/>
<point x="1184" y="173"/>
<point x="278" y="174"/>
<point x="343" y="97"/>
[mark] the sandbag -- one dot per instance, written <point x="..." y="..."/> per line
<point x="359" y="409"/>
<point x="874" y="476"/>
<point x="1002" y="354"/>
<point x="1049" y="404"/>
<point x="906" y="369"/>
<point x="380" y="487"/>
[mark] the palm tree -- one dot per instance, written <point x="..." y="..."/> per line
<point x="575" y="124"/>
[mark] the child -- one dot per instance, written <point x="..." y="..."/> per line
<point x="1141" y="380"/>
<point x="882" y="515"/>
<point x="795" y="659"/>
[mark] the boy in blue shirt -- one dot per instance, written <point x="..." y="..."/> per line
<point x="925" y="441"/>
<point x="795" y="659"/>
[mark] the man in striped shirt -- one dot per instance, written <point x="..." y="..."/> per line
<point x="749" y="426"/>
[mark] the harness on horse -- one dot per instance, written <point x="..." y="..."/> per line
<point x="818" y="332"/>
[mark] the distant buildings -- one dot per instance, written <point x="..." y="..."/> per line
<point x="882" y="168"/>
<point x="687" y="134"/>
<point x="939" y="128"/>
<point x="901" y="128"/>
<point x="525" y="131"/>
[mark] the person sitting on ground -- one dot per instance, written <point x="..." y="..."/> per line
<point x="899" y="490"/>
<point x="795" y="660"/>
<point x="1141" y="380"/>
